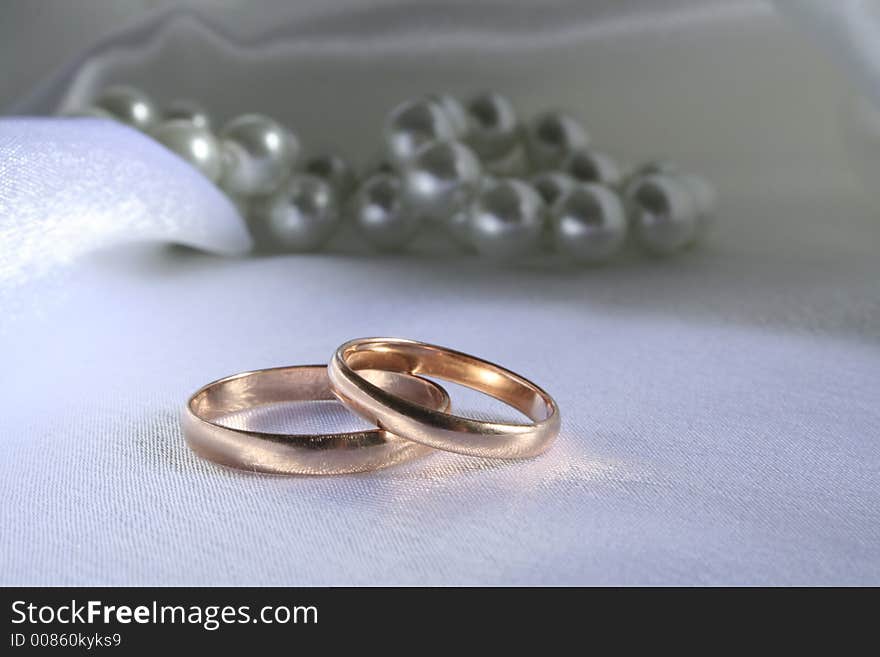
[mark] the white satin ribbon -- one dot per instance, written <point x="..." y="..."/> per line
<point x="69" y="186"/>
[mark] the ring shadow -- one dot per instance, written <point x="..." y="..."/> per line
<point x="161" y="443"/>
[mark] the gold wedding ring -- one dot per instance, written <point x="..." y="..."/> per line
<point x="436" y="428"/>
<point x="382" y="380"/>
<point x="321" y="454"/>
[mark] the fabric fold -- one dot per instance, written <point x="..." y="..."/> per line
<point x="70" y="186"/>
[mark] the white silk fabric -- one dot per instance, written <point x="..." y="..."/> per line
<point x="720" y="415"/>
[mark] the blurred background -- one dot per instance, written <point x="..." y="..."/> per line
<point x="764" y="99"/>
<point x="41" y="36"/>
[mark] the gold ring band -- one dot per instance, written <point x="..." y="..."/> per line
<point x="258" y="451"/>
<point x="433" y="427"/>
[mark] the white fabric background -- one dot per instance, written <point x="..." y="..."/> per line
<point x="720" y="416"/>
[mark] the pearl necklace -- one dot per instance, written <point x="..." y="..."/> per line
<point x="497" y="186"/>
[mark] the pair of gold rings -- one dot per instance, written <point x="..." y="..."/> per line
<point x="380" y="379"/>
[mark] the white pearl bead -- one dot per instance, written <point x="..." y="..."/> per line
<point x="589" y="166"/>
<point x="300" y="216"/>
<point x="589" y="223"/>
<point x="663" y="213"/>
<point x="663" y="166"/>
<point x="380" y="214"/>
<point x="442" y="178"/>
<point x="494" y="127"/>
<point x="335" y="170"/>
<point x="553" y="185"/>
<point x="705" y="200"/>
<point x="258" y="155"/>
<point x="195" y="144"/>
<point x="553" y="136"/>
<point x="187" y="110"/>
<point x="514" y="164"/>
<point x="458" y="224"/>
<point x="506" y="220"/>
<point x="455" y="112"/>
<point x="130" y="106"/>
<point x="413" y="124"/>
